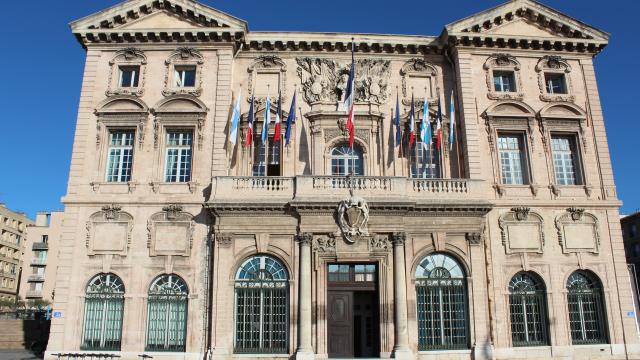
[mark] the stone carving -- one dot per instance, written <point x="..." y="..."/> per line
<point x="325" y="80"/>
<point x="474" y="238"/>
<point x="558" y="65"/>
<point x="325" y="244"/>
<point x="172" y="211"/>
<point x="267" y="64"/>
<point x="522" y="231"/>
<point x="576" y="213"/>
<point x="112" y="211"/>
<point x="379" y="243"/>
<point x="578" y="231"/>
<point x="398" y="238"/>
<point x="305" y="238"/>
<point x="353" y="217"/>
<point x="126" y="57"/>
<point x="521" y="213"/>
<point x="180" y="57"/>
<point x="109" y="231"/>
<point x="224" y="239"/>
<point x="170" y="232"/>
<point x="503" y="62"/>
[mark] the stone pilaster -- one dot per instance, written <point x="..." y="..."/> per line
<point x="401" y="349"/>
<point x="305" y="349"/>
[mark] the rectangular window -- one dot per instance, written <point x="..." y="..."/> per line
<point x="129" y="76"/>
<point x="565" y="159"/>
<point x="185" y="76"/>
<point x="44" y="238"/>
<point x="424" y="162"/>
<point x="271" y="160"/>
<point x="120" y="158"/>
<point x="555" y="83"/>
<point x="178" y="156"/>
<point x="504" y="81"/>
<point x="512" y="159"/>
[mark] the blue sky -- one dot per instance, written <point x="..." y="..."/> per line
<point x="42" y="67"/>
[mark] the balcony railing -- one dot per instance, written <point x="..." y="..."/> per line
<point x="40" y="246"/>
<point x="35" y="278"/>
<point x="40" y="262"/>
<point x="34" y="293"/>
<point x="283" y="189"/>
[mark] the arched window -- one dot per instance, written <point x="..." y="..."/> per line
<point x="167" y="314"/>
<point x="346" y="160"/>
<point x="442" y="304"/>
<point x="586" y="309"/>
<point x="262" y="306"/>
<point x="103" y="310"/>
<point x="527" y="304"/>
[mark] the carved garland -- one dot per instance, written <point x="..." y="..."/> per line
<point x="503" y="62"/>
<point x="126" y="57"/>
<point x="183" y="56"/>
<point x="558" y="65"/>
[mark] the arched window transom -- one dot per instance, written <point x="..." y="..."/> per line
<point x="586" y="309"/>
<point x="441" y="304"/>
<point x="346" y="160"/>
<point x="103" y="312"/>
<point x="262" y="306"/>
<point x="167" y="314"/>
<point x="527" y="305"/>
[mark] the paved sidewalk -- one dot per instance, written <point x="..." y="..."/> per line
<point x="17" y="355"/>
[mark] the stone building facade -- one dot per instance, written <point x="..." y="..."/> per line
<point x="13" y="226"/>
<point x="178" y="244"/>
<point x="40" y="257"/>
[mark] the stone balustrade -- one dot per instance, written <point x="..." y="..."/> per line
<point x="284" y="189"/>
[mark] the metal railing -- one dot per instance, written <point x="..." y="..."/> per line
<point x="35" y="278"/>
<point x="38" y="261"/>
<point x="40" y="246"/>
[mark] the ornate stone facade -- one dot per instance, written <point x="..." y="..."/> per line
<point x="313" y="242"/>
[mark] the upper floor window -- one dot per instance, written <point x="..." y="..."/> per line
<point x="504" y="81"/>
<point x="44" y="238"/>
<point x="424" y="161"/>
<point x="513" y="164"/>
<point x="120" y="156"/>
<point x="178" y="156"/>
<point x="185" y="76"/>
<point x="565" y="159"/>
<point x="633" y="230"/>
<point x="346" y="161"/>
<point x="129" y="76"/>
<point x="266" y="158"/>
<point x="555" y="83"/>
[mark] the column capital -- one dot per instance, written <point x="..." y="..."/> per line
<point x="398" y="238"/>
<point x="305" y="238"/>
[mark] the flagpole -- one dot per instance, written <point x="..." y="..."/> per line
<point x="266" y="136"/>
<point x="309" y="157"/>
<point x="353" y="121"/>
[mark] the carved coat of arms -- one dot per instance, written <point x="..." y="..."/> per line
<point x="353" y="216"/>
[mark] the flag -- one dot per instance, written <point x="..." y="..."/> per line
<point x="425" y="128"/>
<point x="452" y="122"/>
<point x="235" y="119"/>
<point x="290" y="119"/>
<point x="267" y="119"/>
<point x="439" y="126"/>
<point x="349" y="98"/>
<point x="398" y="132"/>
<point x="249" y="137"/>
<point x="278" y="128"/>
<point x="412" y="123"/>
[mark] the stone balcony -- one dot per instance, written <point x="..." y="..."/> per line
<point x="265" y="192"/>
<point x="35" y="278"/>
<point x="40" y="246"/>
<point x="34" y="294"/>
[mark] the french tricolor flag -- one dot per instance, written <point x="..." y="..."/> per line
<point x="439" y="126"/>
<point x="349" y="98"/>
<point x="278" y="128"/>
<point x="249" y="138"/>
<point x="412" y="123"/>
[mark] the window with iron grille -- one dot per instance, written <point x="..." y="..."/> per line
<point x="346" y="160"/>
<point x="586" y="309"/>
<point x="527" y="304"/>
<point x="424" y="160"/>
<point x="262" y="307"/>
<point x="103" y="310"/>
<point x="564" y="159"/>
<point x="512" y="159"/>
<point x="178" y="156"/>
<point x="120" y="158"/>
<point x="167" y="314"/>
<point x="441" y="304"/>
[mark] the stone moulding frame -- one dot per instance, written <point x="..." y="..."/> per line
<point x="267" y="64"/>
<point x="126" y="57"/>
<point x="419" y="68"/>
<point x="121" y="111"/>
<point x="518" y="222"/>
<point x="102" y="230"/>
<point x="552" y="64"/>
<point x="179" y="111"/>
<point x="574" y="227"/>
<point x="173" y="218"/>
<point x="183" y="56"/>
<point x="503" y="62"/>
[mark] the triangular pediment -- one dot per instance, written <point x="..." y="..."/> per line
<point x="159" y="15"/>
<point x="526" y="19"/>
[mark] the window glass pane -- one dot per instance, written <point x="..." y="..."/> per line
<point x="504" y="81"/>
<point x="528" y="311"/>
<point x="120" y="156"/>
<point x="346" y="161"/>
<point x="167" y="314"/>
<point x="185" y="76"/>
<point x="178" y="156"/>
<point x="555" y="83"/>
<point x="587" y="320"/>
<point x="564" y="159"/>
<point x="424" y="161"/>
<point x="512" y="157"/>
<point x="104" y="306"/>
<point x="129" y="76"/>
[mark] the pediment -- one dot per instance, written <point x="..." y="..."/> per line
<point x="159" y="15"/>
<point x="526" y="19"/>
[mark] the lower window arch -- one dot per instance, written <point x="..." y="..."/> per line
<point x="262" y="307"/>
<point x="103" y="312"/>
<point x="167" y="314"/>
<point x="441" y="300"/>
<point x="587" y="320"/>
<point x="528" y="309"/>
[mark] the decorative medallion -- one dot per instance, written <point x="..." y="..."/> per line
<point x="353" y="216"/>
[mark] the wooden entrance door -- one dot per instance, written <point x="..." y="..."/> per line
<point x="340" y="323"/>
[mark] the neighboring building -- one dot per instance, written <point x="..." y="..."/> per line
<point x="504" y="244"/>
<point x="13" y="226"/>
<point x="41" y="257"/>
<point x="631" y="235"/>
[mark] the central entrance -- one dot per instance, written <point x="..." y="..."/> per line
<point x="353" y="325"/>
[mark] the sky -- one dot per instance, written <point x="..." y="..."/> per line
<point x="42" y="64"/>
